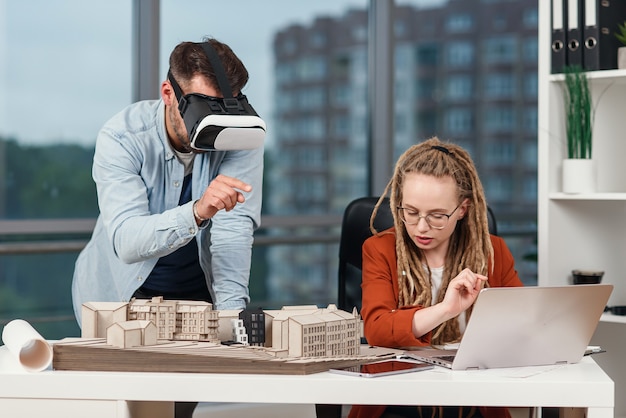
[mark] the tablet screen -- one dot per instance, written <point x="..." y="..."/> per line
<point x="382" y="368"/>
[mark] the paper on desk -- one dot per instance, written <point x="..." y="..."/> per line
<point x="28" y="347"/>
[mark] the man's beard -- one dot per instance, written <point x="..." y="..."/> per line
<point x="180" y="132"/>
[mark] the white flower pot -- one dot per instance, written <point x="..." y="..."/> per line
<point x="579" y="176"/>
<point x="621" y="57"/>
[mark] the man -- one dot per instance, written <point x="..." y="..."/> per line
<point x="174" y="221"/>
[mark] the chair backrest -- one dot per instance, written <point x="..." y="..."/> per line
<point x="355" y="229"/>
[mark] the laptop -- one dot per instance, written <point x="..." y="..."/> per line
<point x="525" y="326"/>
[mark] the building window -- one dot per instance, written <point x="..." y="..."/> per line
<point x="311" y="69"/>
<point x="500" y="50"/>
<point x="427" y="54"/>
<point x="311" y="98"/>
<point x="318" y="40"/>
<point x="459" y="23"/>
<point x="530" y="50"/>
<point x="341" y="126"/>
<point x="530" y="18"/>
<point x="425" y="88"/>
<point x="499" y="119"/>
<point x="530" y="85"/>
<point x="500" y="188"/>
<point x="458" y="121"/>
<point x="459" y="87"/>
<point x="459" y="54"/>
<point x="500" y="86"/>
<point x="499" y="153"/>
<point x="529" y="120"/>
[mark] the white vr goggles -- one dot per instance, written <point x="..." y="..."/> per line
<point x="214" y="123"/>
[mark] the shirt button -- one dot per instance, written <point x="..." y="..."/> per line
<point x="192" y="230"/>
<point x="176" y="183"/>
<point x="139" y="278"/>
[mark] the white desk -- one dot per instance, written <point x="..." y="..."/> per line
<point x="66" y="394"/>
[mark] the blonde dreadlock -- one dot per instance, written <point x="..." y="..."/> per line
<point x="470" y="245"/>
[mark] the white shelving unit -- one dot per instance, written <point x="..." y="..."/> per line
<point x="585" y="231"/>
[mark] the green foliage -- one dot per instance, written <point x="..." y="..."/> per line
<point x="578" y="111"/>
<point x="620" y="34"/>
<point x="46" y="181"/>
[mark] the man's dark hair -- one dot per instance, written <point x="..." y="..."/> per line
<point x="188" y="59"/>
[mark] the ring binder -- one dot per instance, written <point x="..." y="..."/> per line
<point x="559" y="28"/>
<point x="575" y="13"/>
<point x="602" y="18"/>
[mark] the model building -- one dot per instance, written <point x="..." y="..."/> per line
<point x="293" y="331"/>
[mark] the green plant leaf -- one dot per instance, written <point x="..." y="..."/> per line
<point x="620" y="34"/>
<point x="578" y="113"/>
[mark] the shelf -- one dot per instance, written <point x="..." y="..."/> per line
<point x="597" y="77"/>
<point x="585" y="230"/>
<point x="588" y="196"/>
<point x="616" y="319"/>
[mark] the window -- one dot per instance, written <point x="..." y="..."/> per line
<point x="499" y="86"/>
<point x="308" y="79"/>
<point x="459" y="87"/>
<point x="499" y="119"/>
<point x="458" y="121"/>
<point x="530" y="86"/>
<point x="500" y="188"/>
<point x="311" y="98"/>
<point x="529" y="123"/>
<point x="71" y="84"/>
<point x="530" y="18"/>
<point x="499" y="153"/>
<point x="428" y="54"/>
<point x="500" y="50"/>
<point x="459" y="23"/>
<point x="340" y="95"/>
<point x="530" y="50"/>
<point x="318" y="40"/>
<point x="459" y="54"/>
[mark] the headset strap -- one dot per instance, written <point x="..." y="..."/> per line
<point x="177" y="90"/>
<point x="218" y="67"/>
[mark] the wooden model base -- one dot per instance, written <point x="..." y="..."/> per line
<point x="193" y="357"/>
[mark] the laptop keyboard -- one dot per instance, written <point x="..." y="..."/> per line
<point x="449" y="358"/>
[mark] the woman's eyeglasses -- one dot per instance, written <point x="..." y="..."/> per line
<point x="434" y="220"/>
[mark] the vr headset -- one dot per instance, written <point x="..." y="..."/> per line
<point x="219" y="124"/>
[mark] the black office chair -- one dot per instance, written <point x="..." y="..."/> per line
<point x="355" y="229"/>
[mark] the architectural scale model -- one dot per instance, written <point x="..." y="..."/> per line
<point x="174" y="319"/>
<point x="180" y="336"/>
<point x="293" y="331"/>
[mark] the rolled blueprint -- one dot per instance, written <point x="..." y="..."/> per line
<point x="29" y="348"/>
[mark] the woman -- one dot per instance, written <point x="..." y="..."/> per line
<point x="421" y="277"/>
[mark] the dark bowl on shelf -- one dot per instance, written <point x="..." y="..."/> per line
<point x="586" y="276"/>
<point x="617" y="310"/>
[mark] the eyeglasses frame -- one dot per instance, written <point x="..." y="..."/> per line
<point x="425" y="217"/>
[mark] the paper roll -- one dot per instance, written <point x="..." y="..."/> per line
<point x="29" y="348"/>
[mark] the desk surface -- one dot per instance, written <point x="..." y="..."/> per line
<point x="577" y="385"/>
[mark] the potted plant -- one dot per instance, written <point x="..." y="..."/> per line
<point x="578" y="170"/>
<point x="620" y="34"/>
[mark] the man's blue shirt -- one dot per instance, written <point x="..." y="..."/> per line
<point x="139" y="181"/>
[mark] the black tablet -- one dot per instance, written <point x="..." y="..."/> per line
<point x="382" y="368"/>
